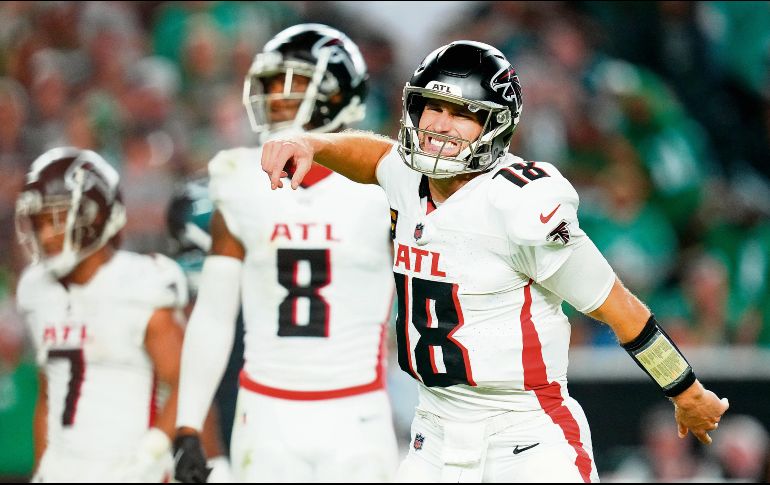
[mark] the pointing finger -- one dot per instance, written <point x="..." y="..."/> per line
<point x="303" y="164"/>
<point x="269" y="163"/>
<point x="703" y="437"/>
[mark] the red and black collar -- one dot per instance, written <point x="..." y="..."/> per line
<point x="315" y="174"/>
<point x="424" y="191"/>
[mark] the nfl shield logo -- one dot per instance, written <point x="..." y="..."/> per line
<point x="418" y="231"/>
<point x="418" y="439"/>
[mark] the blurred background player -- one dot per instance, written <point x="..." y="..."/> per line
<point x="312" y="271"/>
<point x="104" y="323"/>
<point x="187" y="217"/>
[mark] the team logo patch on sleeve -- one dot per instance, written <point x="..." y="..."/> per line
<point x="560" y="233"/>
<point x="418" y="439"/>
<point x="393" y="222"/>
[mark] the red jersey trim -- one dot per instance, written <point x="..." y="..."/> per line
<point x="153" y="414"/>
<point x="461" y="322"/>
<point x="315" y="174"/>
<point x="424" y="191"/>
<point x="548" y="393"/>
<point x="407" y="320"/>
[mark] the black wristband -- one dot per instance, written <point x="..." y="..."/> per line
<point x="659" y="357"/>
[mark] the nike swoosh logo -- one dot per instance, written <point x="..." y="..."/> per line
<point x="518" y="450"/>
<point x="545" y="219"/>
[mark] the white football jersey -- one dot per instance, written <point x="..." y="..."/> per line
<point x="316" y="285"/>
<point x="90" y="341"/>
<point x="474" y="327"/>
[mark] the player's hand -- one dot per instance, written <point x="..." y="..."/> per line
<point x="277" y="154"/>
<point x="221" y="472"/>
<point x="189" y="460"/>
<point x="699" y="411"/>
<point x="150" y="461"/>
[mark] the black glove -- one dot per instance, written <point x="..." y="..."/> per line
<point x="189" y="461"/>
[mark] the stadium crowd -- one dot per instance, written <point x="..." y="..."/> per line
<point x="659" y="113"/>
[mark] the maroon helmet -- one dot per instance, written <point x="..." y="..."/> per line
<point x="80" y="190"/>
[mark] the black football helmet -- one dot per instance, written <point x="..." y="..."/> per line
<point x="476" y="76"/>
<point x="80" y="189"/>
<point x="337" y="80"/>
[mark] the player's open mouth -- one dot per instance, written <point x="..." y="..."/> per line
<point x="440" y="145"/>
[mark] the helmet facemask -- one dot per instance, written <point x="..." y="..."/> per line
<point x="315" y="103"/>
<point x="75" y="216"/>
<point x="474" y="156"/>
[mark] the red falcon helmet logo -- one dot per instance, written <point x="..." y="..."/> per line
<point x="338" y="53"/>
<point x="505" y="83"/>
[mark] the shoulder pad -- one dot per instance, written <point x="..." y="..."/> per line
<point x="171" y="283"/>
<point x="228" y="162"/>
<point x="543" y="206"/>
<point x="148" y="280"/>
<point x="234" y="172"/>
<point x="31" y="277"/>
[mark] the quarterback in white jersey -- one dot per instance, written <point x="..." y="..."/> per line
<point x="104" y="326"/>
<point x="486" y="248"/>
<point x="311" y="271"/>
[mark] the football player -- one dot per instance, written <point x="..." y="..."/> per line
<point x="104" y="324"/>
<point x="187" y="217"/>
<point x="311" y="270"/>
<point x="487" y="246"/>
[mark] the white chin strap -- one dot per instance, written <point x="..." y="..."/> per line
<point x="442" y="169"/>
<point x="62" y="264"/>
